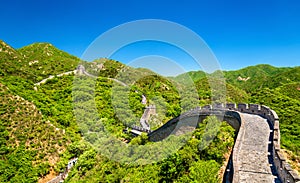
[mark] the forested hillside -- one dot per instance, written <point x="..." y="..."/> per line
<point x="35" y="62"/>
<point x="30" y="145"/>
<point x="42" y="127"/>
<point x="278" y="88"/>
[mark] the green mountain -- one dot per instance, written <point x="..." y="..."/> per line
<point x="253" y="77"/>
<point x="35" y="62"/>
<point x="288" y="75"/>
<point x="43" y="59"/>
<point x="29" y="145"/>
<point x="41" y="124"/>
<point x="11" y="61"/>
<point x="233" y="94"/>
<point x="193" y="75"/>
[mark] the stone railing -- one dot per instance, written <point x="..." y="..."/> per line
<point x="230" y="111"/>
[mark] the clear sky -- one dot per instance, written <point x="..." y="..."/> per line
<point x="239" y="32"/>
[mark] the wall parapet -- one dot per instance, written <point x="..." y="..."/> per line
<point x="284" y="170"/>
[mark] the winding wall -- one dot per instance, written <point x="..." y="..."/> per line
<point x="256" y="153"/>
<point x="245" y="124"/>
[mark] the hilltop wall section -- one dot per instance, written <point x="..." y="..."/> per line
<point x="231" y="114"/>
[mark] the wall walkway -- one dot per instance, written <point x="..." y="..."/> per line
<point x="256" y="155"/>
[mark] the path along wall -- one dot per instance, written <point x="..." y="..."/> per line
<point x="230" y="112"/>
<point x="284" y="170"/>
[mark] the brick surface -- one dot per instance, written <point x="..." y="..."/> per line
<point x="252" y="160"/>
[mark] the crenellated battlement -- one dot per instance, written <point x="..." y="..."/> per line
<point x="231" y="111"/>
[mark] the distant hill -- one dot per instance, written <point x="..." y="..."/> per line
<point x="253" y="77"/>
<point x="35" y="62"/>
<point x="193" y="75"/>
<point x="286" y="76"/>
<point x="233" y="94"/>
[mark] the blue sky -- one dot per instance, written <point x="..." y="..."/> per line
<point x="240" y="33"/>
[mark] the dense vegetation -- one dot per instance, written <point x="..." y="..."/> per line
<point x="187" y="165"/>
<point x="42" y="128"/>
<point x="30" y="145"/>
<point x="35" y="62"/>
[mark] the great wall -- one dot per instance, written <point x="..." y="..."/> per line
<point x="62" y="176"/>
<point x="256" y="156"/>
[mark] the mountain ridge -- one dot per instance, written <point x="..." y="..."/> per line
<point x="264" y="67"/>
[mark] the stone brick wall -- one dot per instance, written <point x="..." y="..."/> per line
<point x="284" y="170"/>
<point x="230" y="111"/>
<point x="150" y="110"/>
<point x="61" y="177"/>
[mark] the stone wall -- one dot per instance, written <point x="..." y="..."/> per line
<point x="150" y="110"/>
<point x="230" y="113"/>
<point x="61" y="177"/>
<point x="284" y="170"/>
